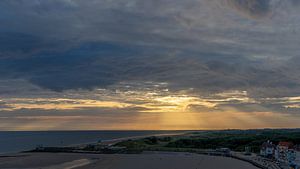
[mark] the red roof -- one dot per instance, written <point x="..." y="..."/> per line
<point x="286" y="144"/>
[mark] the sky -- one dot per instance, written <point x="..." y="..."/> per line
<point x="149" y="65"/>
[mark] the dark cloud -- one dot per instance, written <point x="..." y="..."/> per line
<point x="65" y="44"/>
<point x="103" y="64"/>
<point x="12" y="44"/>
<point x="21" y="45"/>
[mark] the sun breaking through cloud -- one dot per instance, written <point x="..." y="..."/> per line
<point x="73" y="64"/>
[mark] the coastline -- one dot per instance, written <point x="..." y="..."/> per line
<point x="146" y="160"/>
<point x="154" y="144"/>
<point x="15" y="141"/>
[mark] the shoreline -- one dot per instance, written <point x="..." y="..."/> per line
<point x="116" y="139"/>
<point x="146" y="160"/>
<point x="83" y="162"/>
<point x="160" y="148"/>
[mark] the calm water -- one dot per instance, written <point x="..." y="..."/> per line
<point x="20" y="141"/>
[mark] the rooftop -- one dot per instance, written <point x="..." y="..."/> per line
<point x="286" y="144"/>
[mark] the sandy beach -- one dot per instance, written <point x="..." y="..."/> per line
<point x="147" y="160"/>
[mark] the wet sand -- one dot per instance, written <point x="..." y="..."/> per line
<point x="148" y="160"/>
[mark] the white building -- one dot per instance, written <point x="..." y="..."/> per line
<point x="267" y="149"/>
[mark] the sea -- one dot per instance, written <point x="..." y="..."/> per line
<point x="18" y="141"/>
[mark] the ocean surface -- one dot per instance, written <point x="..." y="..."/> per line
<point x="11" y="142"/>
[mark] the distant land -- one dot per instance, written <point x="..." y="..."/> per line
<point x="16" y="141"/>
<point x="163" y="147"/>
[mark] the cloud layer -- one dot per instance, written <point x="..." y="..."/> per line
<point x="252" y="8"/>
<point x="206" y="55"/>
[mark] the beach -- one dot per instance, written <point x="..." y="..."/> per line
<point x="146" y="160"/>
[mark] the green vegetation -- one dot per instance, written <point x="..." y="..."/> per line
<point x="236" y="140"/>
<point x="145" y="142"/>
<point x="204" y="142"/>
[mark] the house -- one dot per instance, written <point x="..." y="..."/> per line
<point x="267" y="149"/>
<point x="297" y="160"/>
<point x="291" y="156"/>
<point x="284" y="145"/>
<point x="294" y="159"/>
<point x="285" y="152"/>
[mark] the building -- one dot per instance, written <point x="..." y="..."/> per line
<point x="267" y="149"/>
<point x="297" y="160"/>
<point x="284" y="145"/>
<point x="248" y="151"/>
<point x="285" y="152"/>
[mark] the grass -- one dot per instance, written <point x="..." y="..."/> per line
<point x="236" y="140"/>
